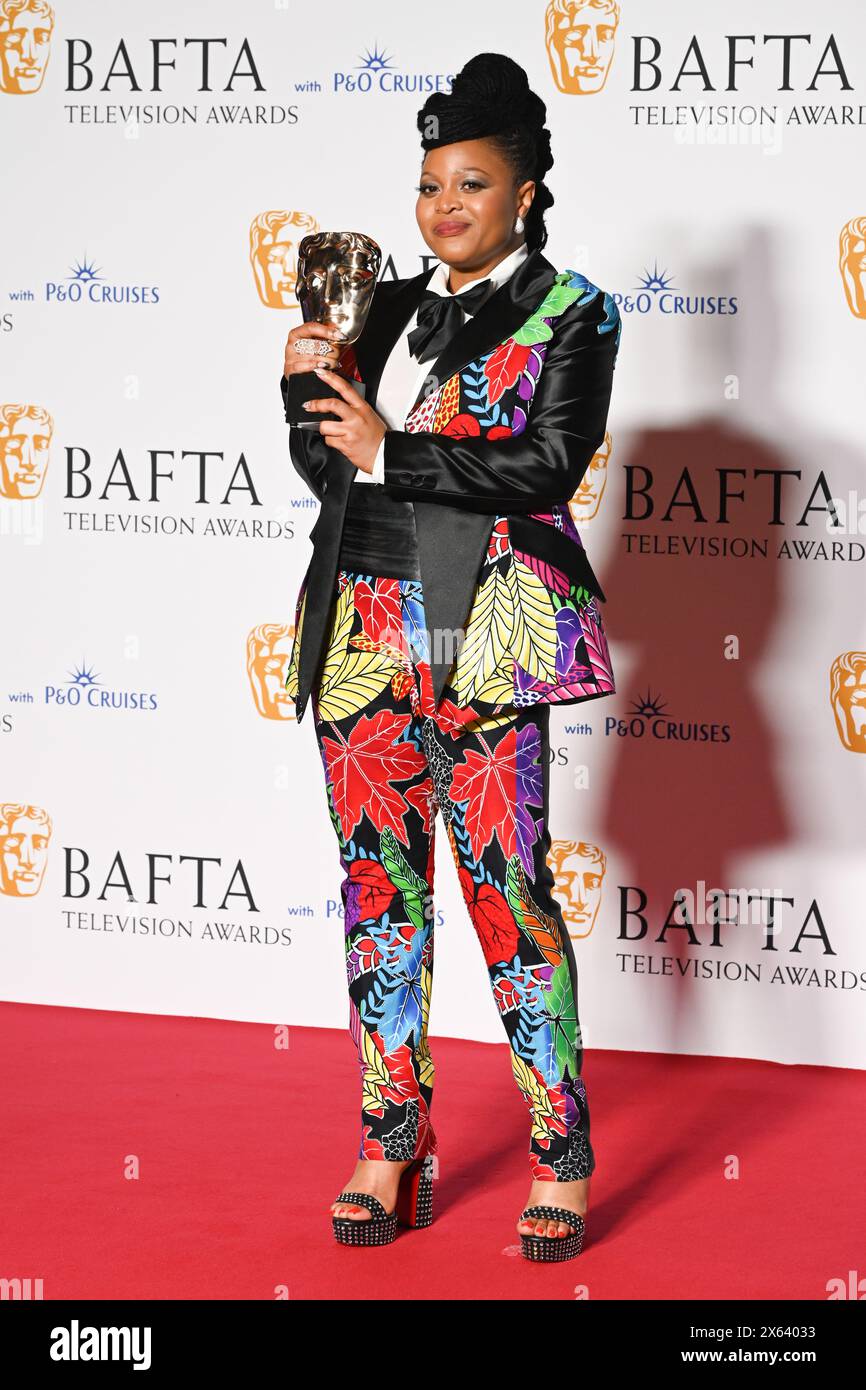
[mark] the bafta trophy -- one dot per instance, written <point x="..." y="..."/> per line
<point x="336" y="278"/>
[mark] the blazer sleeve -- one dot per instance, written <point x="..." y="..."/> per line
<point x="546" y="462"/>
<point x="308" y="449"/>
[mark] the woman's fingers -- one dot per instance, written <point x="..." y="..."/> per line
<point x="296" y="361"/>
<point x="330" y="429"/>
<point x="347" y="404"/>
<point x="297" y="364"/>
<point x="332" y="404"/>
<point x="348" y="393"/>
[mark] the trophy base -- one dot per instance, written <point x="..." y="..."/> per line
<point x="306" y="386"/>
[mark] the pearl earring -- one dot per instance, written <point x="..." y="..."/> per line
<point x="519" y="224"/>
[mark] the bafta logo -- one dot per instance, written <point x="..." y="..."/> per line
<point x="24" y="835"/>
<point x="585" y="502"/>
<point x="25" y="443"/>
<point x="848" y="699"/>
<point x="274" y="240"/>
<point x="268" y="648"/>
<point x="580" y="37"/>
<point x="578" y="872"/>
<point x="852" y="264"/>
<point x="26" y="27"/>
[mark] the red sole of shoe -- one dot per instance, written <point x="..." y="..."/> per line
<point x="415" y="1196"/>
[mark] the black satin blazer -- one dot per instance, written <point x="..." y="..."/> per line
<point x="459" y="485"/>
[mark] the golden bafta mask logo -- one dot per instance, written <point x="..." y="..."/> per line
<point x="578" y="871"/>
<point x="848" y="699"/>
<point x="580" y="37"/>
<point x="268" y="650"/>
<point x="585" y="502"/>
<point x="852" y="264"/>
<point x="25" y="445"/>
<point x="24" y="835"/>
<point x="25" y="45"/>
<point x="274" y="238"/>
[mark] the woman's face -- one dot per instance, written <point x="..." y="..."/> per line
<point x="467" y="203"/>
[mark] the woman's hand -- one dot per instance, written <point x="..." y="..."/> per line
<point x="306" y="362"/>
<point x="358" y="433"/>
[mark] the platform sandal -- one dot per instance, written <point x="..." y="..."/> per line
<point x="553" y="1247"/>
<point x="414" y="1208"/>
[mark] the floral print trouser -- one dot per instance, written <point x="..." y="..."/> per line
<point x="391" y="760"/>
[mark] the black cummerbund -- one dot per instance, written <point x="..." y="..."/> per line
<point x="379" y="534"/>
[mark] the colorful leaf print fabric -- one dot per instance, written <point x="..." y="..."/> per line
<point x="390" y="764"/>
<point x="532" y="633"/>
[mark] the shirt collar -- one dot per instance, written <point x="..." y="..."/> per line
<point x="438" y="281"/>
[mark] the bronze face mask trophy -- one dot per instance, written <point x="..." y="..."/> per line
<point x="336" y="279"/>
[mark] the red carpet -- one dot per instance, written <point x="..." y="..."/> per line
<point x="242" y="1147"/>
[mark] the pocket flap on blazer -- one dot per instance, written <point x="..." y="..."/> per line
<point x="545" y="541"/>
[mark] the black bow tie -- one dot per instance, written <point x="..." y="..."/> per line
<point x="440" y="316"/>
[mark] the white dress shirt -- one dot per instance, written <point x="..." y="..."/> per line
<point x="403" y="374"/>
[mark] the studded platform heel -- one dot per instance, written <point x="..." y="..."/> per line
<point x="414" y="1208"/>
<point x="553" y="1247"/>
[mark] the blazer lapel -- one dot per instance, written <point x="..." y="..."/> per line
<point x="507" y="308"/>
<point x="390" y="311"/>
<point x="452" y="541"/>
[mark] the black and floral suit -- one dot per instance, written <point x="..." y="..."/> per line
<point x="490" y="457"/>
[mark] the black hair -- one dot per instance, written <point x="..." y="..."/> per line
<point x="490" y="98"/>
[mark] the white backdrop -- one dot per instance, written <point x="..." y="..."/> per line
<point x="145" y="293"/>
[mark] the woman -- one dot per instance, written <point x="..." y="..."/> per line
<point x="487" y="386"/>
